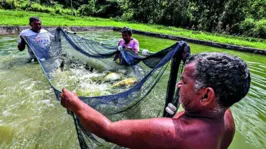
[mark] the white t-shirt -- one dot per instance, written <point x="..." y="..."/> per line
<point x="29" y="32"/>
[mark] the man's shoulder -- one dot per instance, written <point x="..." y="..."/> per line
<point x="121" y="42"/>
<point x="193" y="125"/>
<point x="135" y="40"/>
<point x="196" y="128"/>
<point x="43" y="31"/>
<point x="229" y="120"/>
<point x="25" y="31"/>
<point x="29" y="32"/>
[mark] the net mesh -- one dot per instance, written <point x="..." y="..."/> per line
<point x="109" y="80"/>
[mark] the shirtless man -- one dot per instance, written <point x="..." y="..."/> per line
<point x="210" y="84"/>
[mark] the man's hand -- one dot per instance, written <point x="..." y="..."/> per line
<point x="128" y="48"/>
<point x="69" y="100"/>
<point x="120" y="48"/>
<point x="22" y="44"/>
<point x="186" y="53"/>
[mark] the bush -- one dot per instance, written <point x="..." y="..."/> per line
<point x="8" y="4"/>
<point x="250" y="27"/>
<point x="260" y="29"/>
<point x="40" y="8"/>
<point x="47" y="6"/>
<point x="87" y="10"/>
<point x="128" y="15"/>
<point x="24" y="5"/>
<point x="107" y="9"/>
<point x="247" y="26"/>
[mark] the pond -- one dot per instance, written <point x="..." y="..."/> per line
<point x="31" y="117"/>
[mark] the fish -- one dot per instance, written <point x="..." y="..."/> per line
<point x="126" y="82"/>
<point x="61" y="66"/>
<point x="94" y="64"/>
<point x="112" y="76"/>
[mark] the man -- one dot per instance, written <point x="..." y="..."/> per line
<point x="36" y="28"/>
<point x="210" y="84"/>
<point x="127" y="41"/>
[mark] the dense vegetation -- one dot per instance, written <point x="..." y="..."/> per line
<point x="235" y="17"/>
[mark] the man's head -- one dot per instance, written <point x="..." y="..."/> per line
<point x="126" y="34"/>
<point x="214" y="78"/>
<point x="36" y="24"/>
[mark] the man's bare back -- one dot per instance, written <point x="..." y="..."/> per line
<point x="204" y="133"/>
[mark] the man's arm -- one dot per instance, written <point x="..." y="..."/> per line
<point x="136" y="46"/>
<point x="119" y="42"/>
<point x="148" y="133"/>
<point x="21" y="44"/>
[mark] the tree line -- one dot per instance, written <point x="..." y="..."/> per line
<point x="235" y="17"/>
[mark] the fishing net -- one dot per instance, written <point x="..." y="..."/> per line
<point x="109" y="80"/>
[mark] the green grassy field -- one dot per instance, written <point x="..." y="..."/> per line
<point x="20" y="18"/>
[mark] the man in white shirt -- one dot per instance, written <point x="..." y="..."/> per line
<point x="36" y="28"/>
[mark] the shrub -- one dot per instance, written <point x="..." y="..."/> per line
<point x="8" y="4"/>
<point x="260" y="29"/>
<point x="128" y="15"/>
<point x="250" y="27"/>
<point x="86" y="10"/>
<point x="247" y="26"/>
<point x="107" y="9"/>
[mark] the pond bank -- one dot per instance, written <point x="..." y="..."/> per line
<point x="16" y="29"/>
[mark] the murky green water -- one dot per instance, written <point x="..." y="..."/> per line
<point x="30" y="116"/>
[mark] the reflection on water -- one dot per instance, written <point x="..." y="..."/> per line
<point x="30" y="116"/>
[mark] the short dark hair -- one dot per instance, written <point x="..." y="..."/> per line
<point x="227" y="75"/>
<point x="34" y="19"/>
<point x="126" y="30"/>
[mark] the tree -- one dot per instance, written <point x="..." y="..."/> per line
<point x="146" y="11"/>
<point x="209" y="13"/>
<point x="257" y="9"/>
<point x="175" y="12"/>
<point x="213" y="15"/>
<point x="75" y="3"/>
<point x="232" y="15"/>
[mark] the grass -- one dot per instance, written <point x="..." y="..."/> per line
<point x="20" y="18"/>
